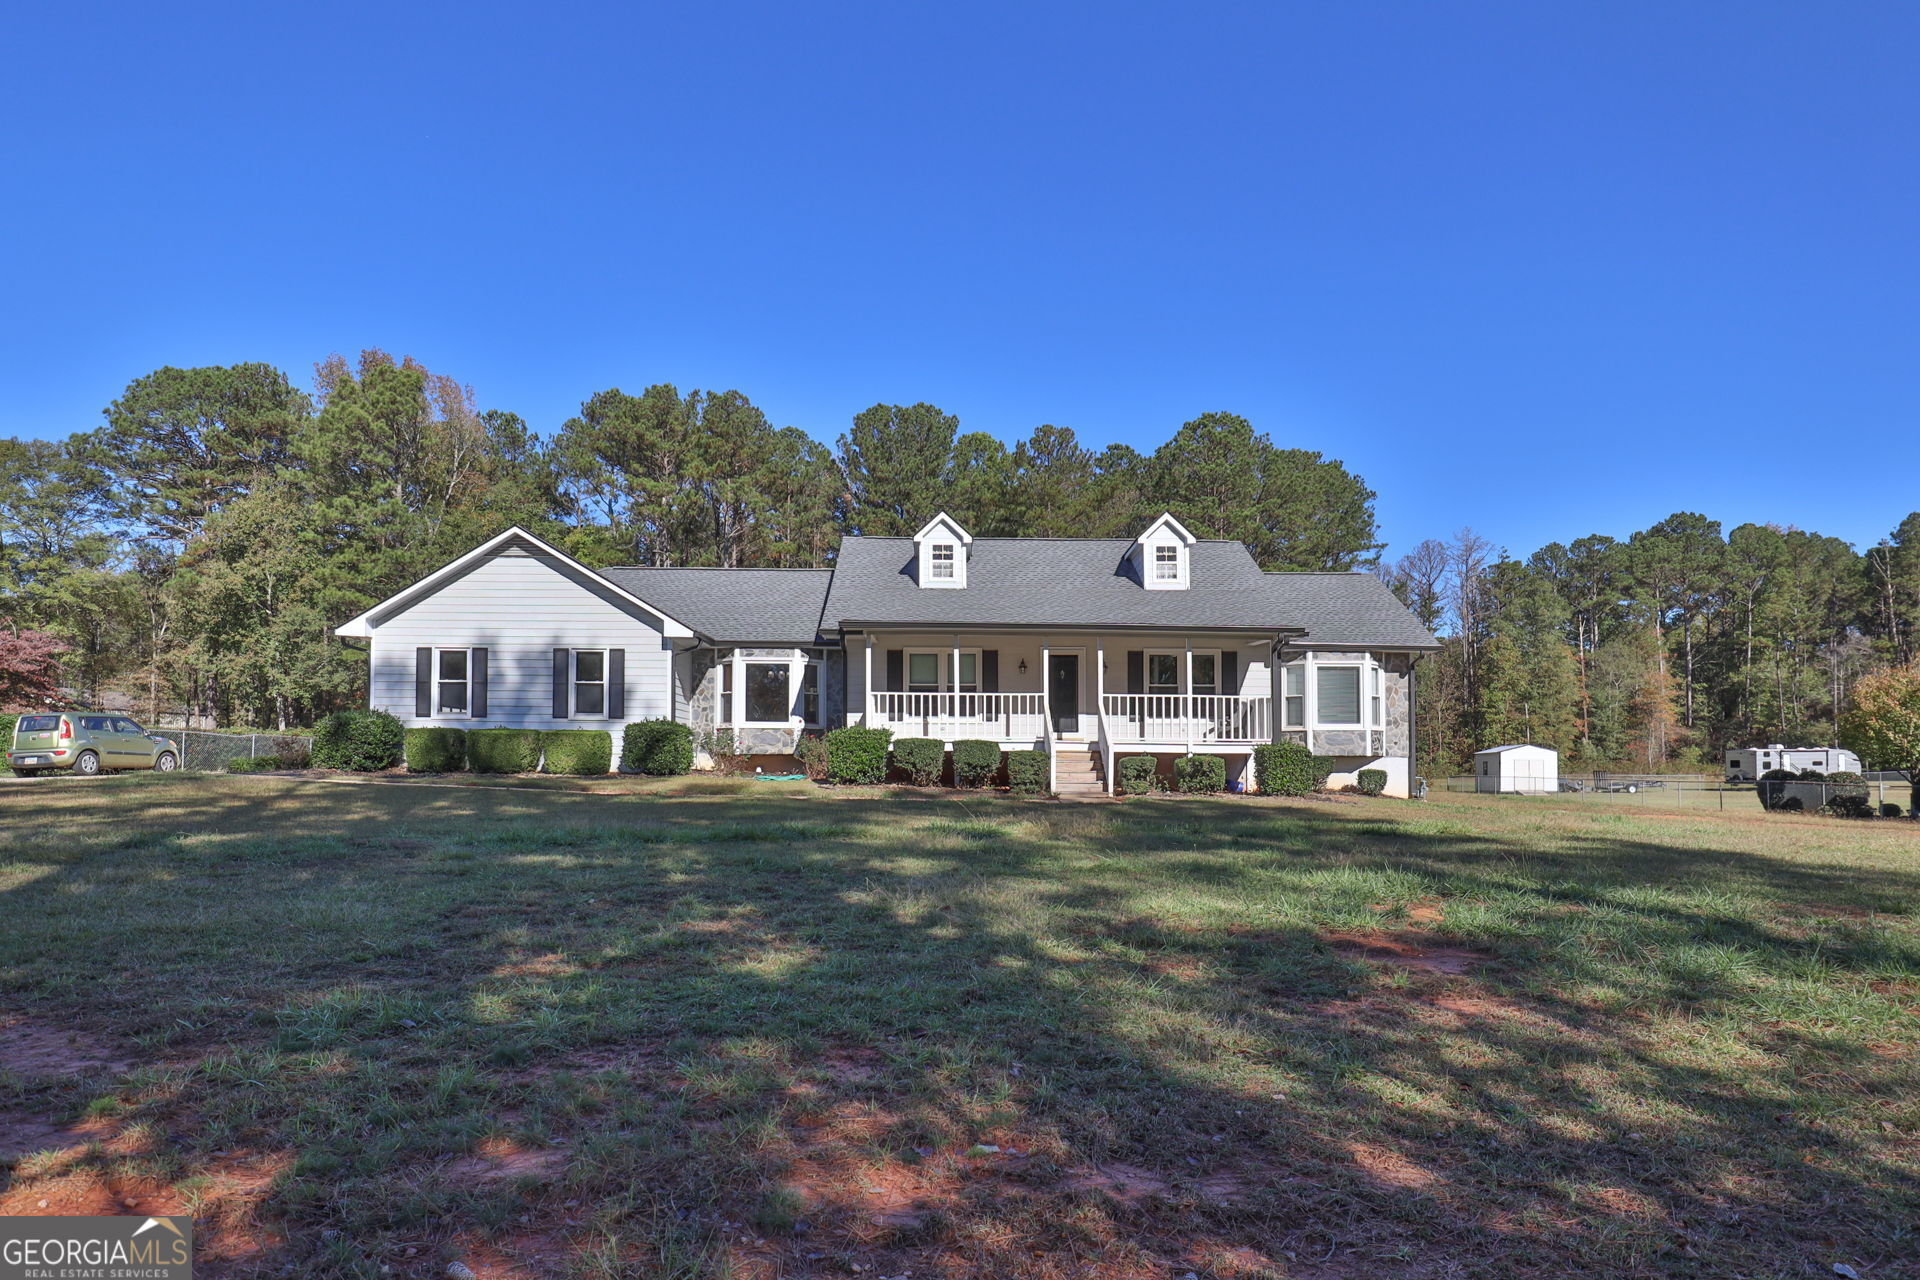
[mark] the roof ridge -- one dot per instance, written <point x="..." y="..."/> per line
<point x="726" y="568"/>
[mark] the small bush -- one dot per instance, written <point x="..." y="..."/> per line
<point x="857" y="755"/>
<point x="358" y="741"/>
<point x="1289" y="769"/>
<point x="1768" y="790"/>
<point x="975" y="761"/>
<point x="920" y="759"/>
<point x="1027" y="772"/>
<point x="1138" y="775"/>
<point x="1847" y="795"/>
<point x="1812" y="775"/>
<point x="1890" y="810"/>
<point x="1200" y="775"/>
<point x="436" y="750"/>
<point x="1371" y="781"/>
<point x="811" y="752"/>
<point x="662" y="748"/>
<point x="503" y="750"/>
<point x="577" y="752"/>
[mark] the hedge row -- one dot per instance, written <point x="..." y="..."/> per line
<point x="1289" y="769"/>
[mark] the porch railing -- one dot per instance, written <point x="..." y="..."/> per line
<point x="953" y="716"/>
<point x="1174" y="717"/>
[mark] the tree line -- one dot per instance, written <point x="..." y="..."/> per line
<point x="1657" y="651"/>
<point x="197" y="548"/>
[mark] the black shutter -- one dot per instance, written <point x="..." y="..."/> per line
<point x="896" y="671"/>
<point x="616" y="684"/>
<point x="989" y="671"/>
<point x="477" y="672"/>
<point x="422" y="682"/>
<point x="561" y="669"/>
<point x="1230" y="674"/>
<point x="1136" y="671"/>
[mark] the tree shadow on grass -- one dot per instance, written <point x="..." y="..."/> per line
<point x="776" y="1037"/>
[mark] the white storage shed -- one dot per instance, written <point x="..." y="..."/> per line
<point x="1524" y="769"/>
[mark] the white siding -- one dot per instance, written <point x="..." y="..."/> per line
<point x="521" y="608"/>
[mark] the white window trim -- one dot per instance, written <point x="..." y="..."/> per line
<point x="438" y="714"/>
<point x="944" y="660"/>
<point x="1150" y="565"/>
<point x="1286" y="697"/>
<point x="736" y="704"/>
<point x="573" y="683"/>
<point x="1179" y="657"/>
<point x="818" y="668"/>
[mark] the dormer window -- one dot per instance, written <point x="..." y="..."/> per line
<point x="940" y="553"/>
<point x="1162" y="556"/>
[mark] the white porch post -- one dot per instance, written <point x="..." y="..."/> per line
<point x="1099" y="676"/>
<point x="1188" y="685"/>
<point x="1046" y="682"/>
<point x="866" y="686"/>
<point x="953" y="682"/>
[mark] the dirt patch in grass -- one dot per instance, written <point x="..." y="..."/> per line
<point x="1418" y="952"/>
<point x="1122" y="1183"/>
<point x="1389" y="1170"/>
<point x="30" y="1047"/>
<point x="551" y="965"/>
<point x="499" y="1159"/>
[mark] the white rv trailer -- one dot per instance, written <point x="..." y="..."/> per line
<point x="1749" y="763"/>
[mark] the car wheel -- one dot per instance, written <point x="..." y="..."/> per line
<point x="167" y="762"/>
<point x="87" y="765"/>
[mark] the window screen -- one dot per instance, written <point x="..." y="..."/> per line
<point x="1296" y="696"/>
<point x="1338" y="689"/>
<point x="452" y="699"/>
<point x="589" y="682"/>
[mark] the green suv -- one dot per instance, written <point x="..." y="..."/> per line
<point x="87" y="744"/>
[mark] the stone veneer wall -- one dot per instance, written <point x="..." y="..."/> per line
<point x="704" y="713"/>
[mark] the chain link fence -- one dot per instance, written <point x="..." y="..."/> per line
<point x="212" y="752"/>
<point x="1700" y="791"/>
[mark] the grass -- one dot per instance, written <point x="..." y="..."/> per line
<point x="698" y="1028"/>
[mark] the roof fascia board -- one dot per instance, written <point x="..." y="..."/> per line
<point x="362" y="626"/>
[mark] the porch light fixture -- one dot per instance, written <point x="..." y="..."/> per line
<point x="1023" y="666"/>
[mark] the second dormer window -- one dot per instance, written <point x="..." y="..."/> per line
<point x="940" y="557"/>
<point x="1166" y="564"/>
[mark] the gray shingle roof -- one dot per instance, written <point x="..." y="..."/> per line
<point x="735" y="606"/>
<point x="1059" y="582"/>
<point x="1077" y="582"/>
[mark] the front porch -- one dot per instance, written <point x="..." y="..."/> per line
<point x="1100" y="695"/>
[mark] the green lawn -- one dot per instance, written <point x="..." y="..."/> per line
<point x="605" y="1029"/>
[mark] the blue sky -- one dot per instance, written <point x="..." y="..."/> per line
<point x="1542" y="269"/>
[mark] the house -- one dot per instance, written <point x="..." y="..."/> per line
<point x="1088" y="649"/>
<point x="1522" y="769"/>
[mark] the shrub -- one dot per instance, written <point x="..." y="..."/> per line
<point x="1812" y="775"/>
<point x="580" y="752"/>
<point x="503" y="750"/>
<point x="1769" y="790"/>
<point x="1890" y="810"/>
<point x="1200" y="775"/>
<point x="359" y="741"/>
<point x="1289" y="769"/>
<point x="1138" y="775"/>
<point x="1371" y="781"/>
<point x="811" y="752"/>
<point x="436" y="750"/>
<point x="857" y="754"/>
<point x="920" y="759"/>
<point x="662" y="748"/>
<point x="722" y="746"/>
<point x="975" y="761"/>
<point x="1027" y="772"/>
<point x="1847" y="795"/>
<point x="256" y="764"/>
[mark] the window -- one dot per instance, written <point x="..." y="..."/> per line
<point x="923" y="673"/>
<point x="1166" y="564"/>
<point x="1163" y="673"/>
<point x="96" y="724"/>
<point x="38" y="724"/>
<point x="1337" y="690"/>
<point x="124" y="725"/>
<point x="940" y="558"/>
<point x="450" y="668"/>
<point x="1379" y="699"/>
<point x="1206" y="672"/>
<point x="766" y="689"/>
<point x="589" y="682"/>
<point x="810" y="694"/>
<point x="1166" y="671"/>
<point x="1294" y="696"/>
<point x="969" y="671"/>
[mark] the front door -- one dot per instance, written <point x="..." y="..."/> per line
<point x="1063" y="691"/>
